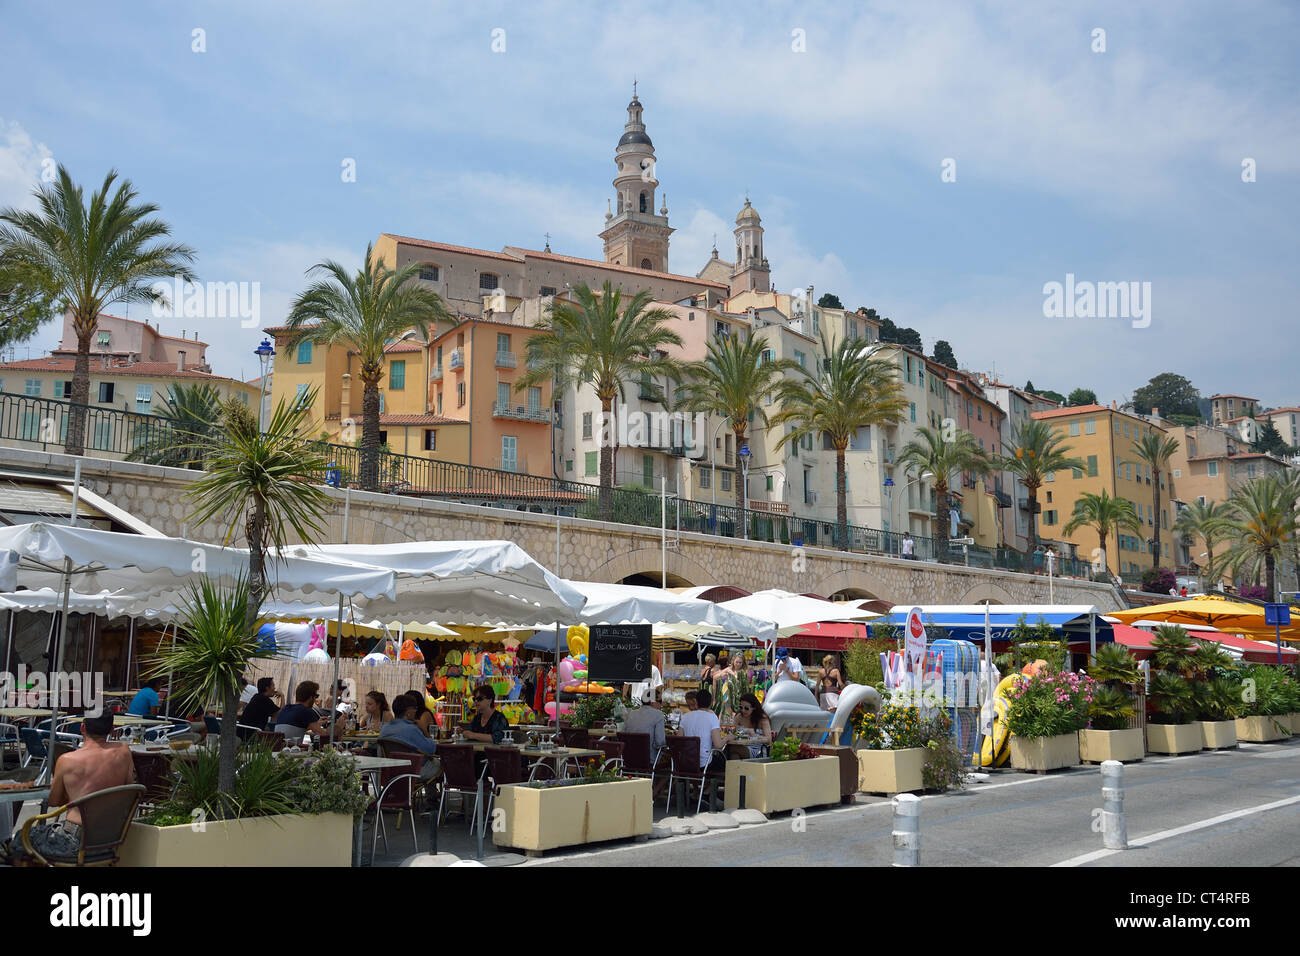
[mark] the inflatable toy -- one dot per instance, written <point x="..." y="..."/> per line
<point x="571" y="675"/>
<point x="316" y="652"/>
<point x="994" y="751"/>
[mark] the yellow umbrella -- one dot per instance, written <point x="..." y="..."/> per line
<point x="1232" y="616"/>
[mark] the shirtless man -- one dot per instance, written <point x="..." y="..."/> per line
<point x="95" y="765"/>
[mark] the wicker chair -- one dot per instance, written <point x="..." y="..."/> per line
<point x="105" y="818"/>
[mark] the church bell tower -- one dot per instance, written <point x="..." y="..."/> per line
<point x="634" y="235"/>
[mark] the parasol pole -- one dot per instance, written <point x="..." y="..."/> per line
<point x="58" y="670"/>
<point x="334" y="686"/>
<point x="557" y="677"/>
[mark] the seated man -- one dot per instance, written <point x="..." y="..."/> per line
<point x="703" y="723"/>
<point x="648" y="719"/>
<point x="146" y="703"/>
<point x="300" y="717"/>
<point x="264" y="706"/>
<point x="489" y="724"/>
<point x="407" y="732"/>
<point x="96" y="765"/>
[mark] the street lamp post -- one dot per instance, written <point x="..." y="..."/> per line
<point x="889" y="484"/>
<point x="265" y="353"/>
<point x="1050" y="557"/>
<point x="743" y="455"/>
<point x="713" y="469"/>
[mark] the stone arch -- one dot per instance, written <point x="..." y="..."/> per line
<point x="852" y="594"/>
<point x="986" y="591"/>
<point x="855" y="580"/>
<point x="682" y="571"/>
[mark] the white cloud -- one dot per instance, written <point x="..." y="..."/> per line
<point x="21" y="162"/>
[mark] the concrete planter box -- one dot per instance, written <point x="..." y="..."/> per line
<point x="323" y="839"/>
<point x="1173" y="738"/>
<point x="772" y="786"/>
<point x="1096" y="746"/>
<point x="1292" y="722"/>
<point x="1218" y="734"/>
<point x="543" y="818"/>
<point x="891" y="771"/>
<point x="1259" y="730"/>
<point x="1044" y="753"/>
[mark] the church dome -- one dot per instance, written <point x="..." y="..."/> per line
<point x="635" y="137"/>
<point x="747" y="215"/>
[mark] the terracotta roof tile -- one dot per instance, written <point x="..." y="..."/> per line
<point x="600" y="264"/>
<point x="1071" y="410"/>
<point x="446" y="247"/>
<point x="139" y="369"/>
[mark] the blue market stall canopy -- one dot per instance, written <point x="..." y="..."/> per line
<point x="965" y="622"/>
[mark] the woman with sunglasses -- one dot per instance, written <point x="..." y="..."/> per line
<point x="489" y="724"/>
<point x="750" y="717"/>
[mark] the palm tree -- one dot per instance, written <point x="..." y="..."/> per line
<point x="365" y="311"/>
<point x="1261" y="525"/>
<point x="850" y="387"/>
<point x="1154" y="450"/>
<point x="260" y="482"/>
<point x="942" y="457"/>
<point x="1203" y="519"/>
<point x="1172" y="650"/>
<point x="1104" y="513"/>
<point x="186" y="432"/>
<point x="604" y="340"/>
<point x="94" y="255"/>
<point x="731" y="382"/>
<point x="208" y="658"/>
<point x="1037" y="451"/>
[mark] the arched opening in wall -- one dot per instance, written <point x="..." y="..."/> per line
<point x="654" y="579"/>
<point x="645" y="264"/>
<point x="643" y="202"/>
<point x="620" y="203"/>
<point x="852" y="594"/>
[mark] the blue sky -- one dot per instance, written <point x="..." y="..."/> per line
<point x="1123" y="165"/>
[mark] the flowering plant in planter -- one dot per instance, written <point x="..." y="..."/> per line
<point x="789" y="748"/>
<point x="893" y="727"/>
<point x="1049" y="704"/>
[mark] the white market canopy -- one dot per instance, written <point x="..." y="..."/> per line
<point x="457" y="582"/>
<point x="634" y="604"/>
<point x="144" y="576"/>
<point x="790" y="612"/>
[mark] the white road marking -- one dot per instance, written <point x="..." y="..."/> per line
<point x="1179" y="831"/>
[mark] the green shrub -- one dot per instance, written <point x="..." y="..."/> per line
<point x="1049" y="704"/>
<point x="1172" y="699"/>
<point x="1111" y="708"/>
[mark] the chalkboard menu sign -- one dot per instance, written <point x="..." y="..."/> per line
<point x="619" y="652"/>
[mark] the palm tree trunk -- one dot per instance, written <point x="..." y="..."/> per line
<point x="841" y="500"/>
<point x="75" y="444"/>
<point x="1105" y="558"/>
<point x="253" y="530"/>
<point x="607" y="460"/>
<point x="1155" y="494"/>
<point x="1270" y="576"/>
<point x="942" y="521"/>
<point x="1033" y="523"/>
<point x="742" y="527"/>
<point x="370" y="434"/>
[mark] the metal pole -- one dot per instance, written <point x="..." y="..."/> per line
<point x="1092" y="633"/>
<point x="481" y="821"/>
<point x="1278" y="628"/>
<point x="907" y="830"/>
<point x="347" y="511"/>
<point x="557" y="545"/>
<point x="1114" y="828"/>
<point x="663" y="531"/>
<point x="58" y="669"/>
<point x="76" y="492"/>
<point x="338" y="648"/>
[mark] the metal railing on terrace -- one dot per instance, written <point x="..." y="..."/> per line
<point x="41" y="424"/>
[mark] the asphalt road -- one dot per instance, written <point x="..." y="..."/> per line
<point x="1216" y="808"/>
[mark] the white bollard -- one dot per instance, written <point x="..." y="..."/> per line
<point x="1114" y="829"/>
<point x="907" y="830"/>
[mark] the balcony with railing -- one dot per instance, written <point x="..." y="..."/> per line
<point x="521" y="413"/>
<point x="457" y="359"/>
<point x="435" y="373"/>
<point x="518" y="466"/>
<point x="507" y="360"/>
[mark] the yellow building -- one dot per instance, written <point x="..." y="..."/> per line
<point x="452" y="399"/>
<point x="1103" y="438"/>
